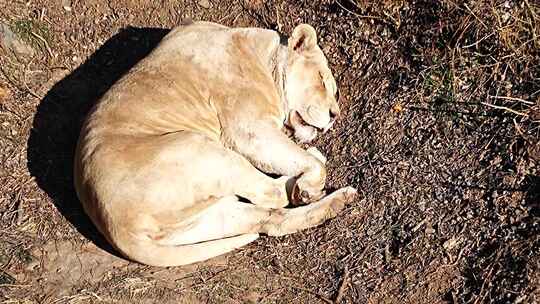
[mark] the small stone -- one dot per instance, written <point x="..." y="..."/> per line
<point x="451" y="243"/>
<point x="9" y="41"/>
<point x="205" y="4"/>
<point x="429" y="229"/>
<point x="66" y="5"/>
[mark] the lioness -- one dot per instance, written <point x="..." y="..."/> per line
<point x="168" y="157"/>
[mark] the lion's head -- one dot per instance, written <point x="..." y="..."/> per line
<point x="310" y="87"/>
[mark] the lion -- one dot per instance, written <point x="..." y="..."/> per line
<point x="185" y="158"/>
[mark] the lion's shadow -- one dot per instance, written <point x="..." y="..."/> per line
<point x="59" y="116"/>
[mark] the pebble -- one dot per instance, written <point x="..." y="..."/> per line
<point x="205" y="4"/>
<point x="66" y="5"/>
<point x="429" y="229"/>
<point x="10" y="41"/>
<point x="451" y="243"/>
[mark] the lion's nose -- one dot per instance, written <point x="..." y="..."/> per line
<point x="334" y="113"/>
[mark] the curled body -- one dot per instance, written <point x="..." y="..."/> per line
<point x="172" y="163"/>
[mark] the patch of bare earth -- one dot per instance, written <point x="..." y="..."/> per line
<point x="439" y="132"/>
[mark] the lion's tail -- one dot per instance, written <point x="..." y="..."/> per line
<point x="150" y="253"/>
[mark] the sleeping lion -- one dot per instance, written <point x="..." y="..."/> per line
<point x="176" y="162"/>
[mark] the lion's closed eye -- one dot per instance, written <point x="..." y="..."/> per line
<point x="321" y="76"/>
<point x="328" y="84"/>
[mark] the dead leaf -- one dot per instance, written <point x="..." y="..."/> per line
<point x="3" y="93"/>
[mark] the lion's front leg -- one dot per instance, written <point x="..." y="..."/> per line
<point x="271" y="151"/>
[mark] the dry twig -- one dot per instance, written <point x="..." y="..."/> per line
<point x="505" y="109"/>
<point x="513" y="99"/>
<point x="344" y="284"/>
<point x="45" y="43"/>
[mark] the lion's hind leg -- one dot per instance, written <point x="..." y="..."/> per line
<point x="228" y="224"/>
<point x="229" y="217"/>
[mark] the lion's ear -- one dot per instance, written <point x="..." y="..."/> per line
<point x="303" y="38"/>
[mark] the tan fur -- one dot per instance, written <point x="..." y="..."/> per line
<point x="164" y="155"/>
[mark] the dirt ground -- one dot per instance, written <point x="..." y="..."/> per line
<point x="440" y="133"/>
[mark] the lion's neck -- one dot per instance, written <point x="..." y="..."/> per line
<point x="279" y="69"/>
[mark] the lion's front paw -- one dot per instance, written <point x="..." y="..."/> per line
<point x="340" y="198"/>
<point x="304" y="193"/>
<point x="310" y="184"/>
